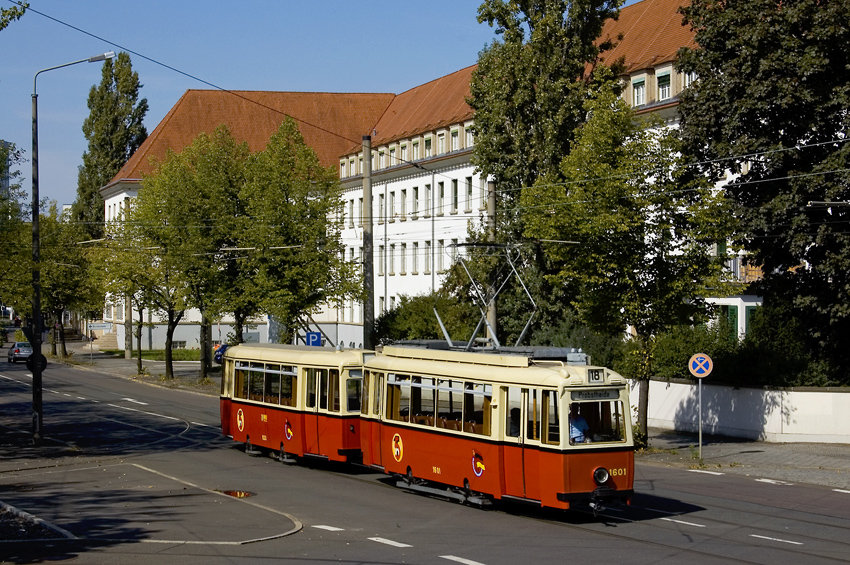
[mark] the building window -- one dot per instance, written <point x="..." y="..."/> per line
<point x="415" y="257"/>
<point x="404" y="153"/>
<point x="689" y="79"/>
<point x="392" y="302"/>
<point x="342" y="169"/>
<point x="360" y="212"/>
<point x="415" y="150"/>
<point x="441" y="194"/>
<point x="392" y="207"/>
<point x="468" y="194"/>
<point x="381" y="308"/>
<point x="441" y="144"/>
<point x="664" y="87"/>
<point x="427" y="200"/>
<point x="381" y="260"/>
<point x="403" y="205"/>
<point x="351" y="170"/>
<point x="638" y="93"/>
<point x="403" y="259"/>
<point x="455" y="140"/>
<point x="351" y="213"/>
<point x="392" y="162"/>
<point x="441" y="253"/>
<point x="454" y="196"/>
<point x="380" y="208"/>
<point x="381" y="159"/>
<point x="392" y="259"/>
<point x="360" y="260"/>
<point x="415" y="202"/>
<point x="427" y="257"/>
<point x="427" y="147"/>
<point x="470" y="138"/>
<point x="454" y="250"/>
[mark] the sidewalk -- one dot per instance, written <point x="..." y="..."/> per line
<point x="811" y="463"/>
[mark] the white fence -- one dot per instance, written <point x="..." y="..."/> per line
<point x="803" y="415"/>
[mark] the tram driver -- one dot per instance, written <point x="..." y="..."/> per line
<point x="578" y="425"/>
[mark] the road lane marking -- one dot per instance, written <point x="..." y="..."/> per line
<point x="774" y="482"/>
<point x="135" y="401"/>
<point x="143" y="412"/>
<point x="329" y="528"/>
<point x="705" y="472"/>
<point x="460" y="560"/>
<point x="841" y="490"/>
<point x="386" y="541"/>
<point x="683" y="522"/>
<point x="200" y="424"/>
<point x="776" y="539"/>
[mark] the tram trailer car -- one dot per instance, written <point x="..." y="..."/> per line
<point x="499" y="425"/>
<point x="298" y="400"/>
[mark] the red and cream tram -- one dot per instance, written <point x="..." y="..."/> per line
<point x="462" y="424"/>
<point x="499" y="425"/>
<point x="299" y="400"/>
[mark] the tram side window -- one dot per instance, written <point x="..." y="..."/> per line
<point x="398" y="398"/>
<point x="256" y="386"/>
<point x="476" y="408"/>
<point x="227" y="379"/>
<point x="353" y="391"/>
<point x="367" y="381"/>
<point x="310" y="389"/>
<point x="333" y="390"/>
<point x="422" y="400"/>
<point x="241" y="383"/>
<point x="324" y="388"/>
<point x="288" y="386"/>
<point x="450" y="404"/>
<point x="606" y="421"/>
<point x="533" y="414"/>
<point x="379" y="388"/>
<point x="552" y="425"/>
<point x="272" y="388"/>
<point x="513" y="411"/>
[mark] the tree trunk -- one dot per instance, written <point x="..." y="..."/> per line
<point x="206" y="346"/>
<point x="53" y="339"/>
<point x="173" y="319"/>
<point x="139" y="327"/>
<point x="63" y="348"/>
<point x="239" y="326"/>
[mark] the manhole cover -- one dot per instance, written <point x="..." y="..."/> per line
<point x="236" y="493"/>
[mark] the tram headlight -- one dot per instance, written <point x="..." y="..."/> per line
<point x="601" y="475"/>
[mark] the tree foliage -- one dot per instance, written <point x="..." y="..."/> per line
<point x="8" y="15"/>
<point x="114" y="130"/>
<point x="643" y="235"/>
<point x="413" y="318"/>
<point x="770" y="104"/>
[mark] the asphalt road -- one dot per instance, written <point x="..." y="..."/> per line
<point x="133" y="473"/>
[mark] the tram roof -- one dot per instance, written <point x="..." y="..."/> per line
<point x="296" y="354"/>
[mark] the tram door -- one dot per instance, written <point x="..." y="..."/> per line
<point x="514" y="451"/>
<point x="311" y="416"/>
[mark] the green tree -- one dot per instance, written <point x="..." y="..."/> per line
<point x="528" y="93"/>
<point x="644" y="253"/>
<point x="114" y="130"/>
<point x="8" y="15"/>
<point x="770" y="104"/>
<point x="295" y="209"/>
<point x="413" y="318"/>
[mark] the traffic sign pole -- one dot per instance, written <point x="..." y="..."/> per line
<point x="700" y="366"/>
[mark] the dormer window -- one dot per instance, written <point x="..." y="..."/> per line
<point x="638" y="93"/>
<point x="664" y="86"/>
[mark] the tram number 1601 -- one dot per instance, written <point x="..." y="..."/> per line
<point x="619" y="472"/>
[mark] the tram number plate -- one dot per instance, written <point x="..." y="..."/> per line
<point x="596" y="375"/>
<point x="436" y="470"/>
<point x="619" y="472"/>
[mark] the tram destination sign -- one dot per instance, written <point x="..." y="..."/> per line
<point x="604" y="394"/>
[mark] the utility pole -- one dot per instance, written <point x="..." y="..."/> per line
<point x="368" y="252"/>
<point x="128" y="298"/>
<point x="491" y="237"/>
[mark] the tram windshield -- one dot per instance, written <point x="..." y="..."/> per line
<point x="593" y="422"/>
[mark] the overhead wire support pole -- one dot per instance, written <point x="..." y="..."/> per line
<point x="368" y="251"/>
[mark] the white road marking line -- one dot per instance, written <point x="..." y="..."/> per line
<point x="135" y="401"/>
<point x="390" y="542"/>
<point x="81" y="398"/>
<point x="66" y="394"/>
<point x="841" y="490"/>
<point x="773" y="482"/>
<point x="683" y="522"/>
<point x="143" y="412"/>
<point x="200" y="424"/>
<point x="461" y="560"/>
<point x="706" y="472"/>
<point x="329" y="528"/>
<point x="776" y="539"/>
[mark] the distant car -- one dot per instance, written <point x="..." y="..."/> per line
<point x="19" y="350"/>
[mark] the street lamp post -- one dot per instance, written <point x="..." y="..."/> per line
<point x="37" y="367"/>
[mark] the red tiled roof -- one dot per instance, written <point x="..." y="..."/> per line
<point x="652" y="34"/>
<point x="335" y="122"/>
<point x="424" y="108"/>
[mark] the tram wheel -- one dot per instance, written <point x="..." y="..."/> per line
<point x="408" y="478"/>
<point x="250" y="449"/>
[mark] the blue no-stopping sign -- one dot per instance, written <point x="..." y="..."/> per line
<point x="700" y="365"/>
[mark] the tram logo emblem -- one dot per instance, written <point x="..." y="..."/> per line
<point x="287" y="430"/>
<point x="398" y="448"/>
<point x="240" y="420"/>
<point x="477" y="464"/>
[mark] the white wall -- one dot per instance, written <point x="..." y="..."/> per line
<point x="811" y="415"/>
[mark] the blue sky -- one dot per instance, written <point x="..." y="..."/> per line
<point x="364" y="46"/>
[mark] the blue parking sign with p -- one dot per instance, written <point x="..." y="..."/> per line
<point x="314" y="339"/>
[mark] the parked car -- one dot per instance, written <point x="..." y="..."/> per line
<point x="19" y="350"/>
